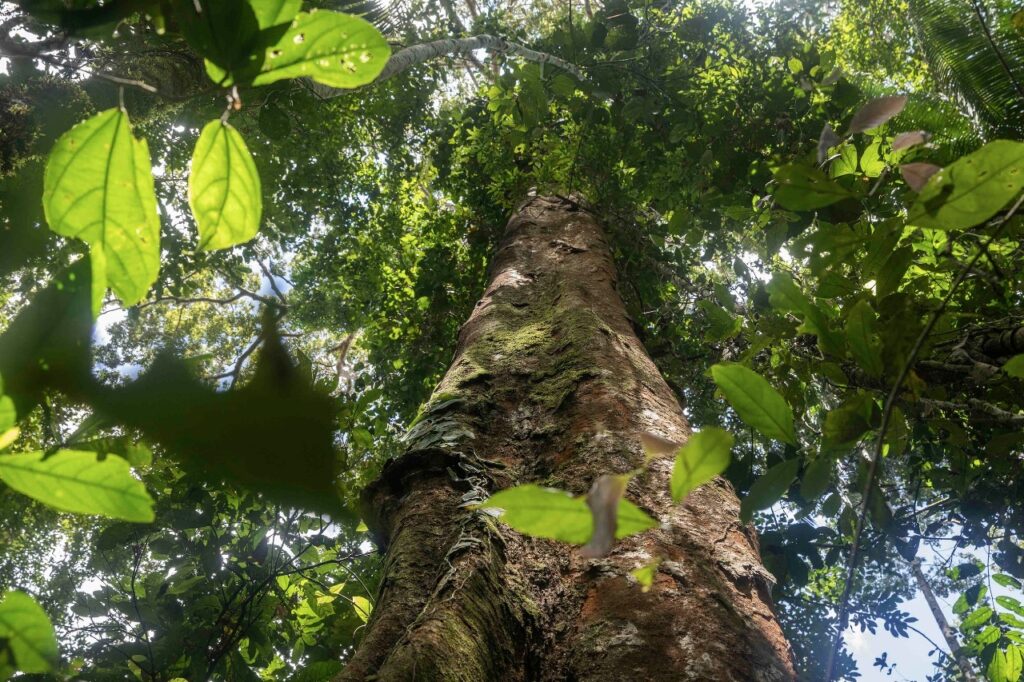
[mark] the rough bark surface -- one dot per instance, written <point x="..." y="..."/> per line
<point x="550" y="385"/>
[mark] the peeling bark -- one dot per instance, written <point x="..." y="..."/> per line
<point x="550" y="385"/>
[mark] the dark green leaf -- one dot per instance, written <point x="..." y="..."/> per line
<point x="755" y="401"/>
<point x="768" y="489"/>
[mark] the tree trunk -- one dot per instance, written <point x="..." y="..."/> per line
<point x="550" y="385"/>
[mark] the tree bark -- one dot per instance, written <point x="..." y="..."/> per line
<point x="550" y="385"/>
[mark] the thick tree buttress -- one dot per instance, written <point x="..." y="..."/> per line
<point x="550" y="385"/>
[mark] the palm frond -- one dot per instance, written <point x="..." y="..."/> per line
<point x="977" y="55"/>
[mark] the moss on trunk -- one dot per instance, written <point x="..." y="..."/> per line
<point x="550" y="385"/>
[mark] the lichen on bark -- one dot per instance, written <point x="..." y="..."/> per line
<point x="550" y="385"/>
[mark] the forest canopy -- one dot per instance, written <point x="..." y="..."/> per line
<point x="240" y="242"/>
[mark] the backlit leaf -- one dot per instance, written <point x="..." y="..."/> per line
<point x="224" y="188"/>
<point x="362" y="607"/>
<point x="557" y="515"/>
<point x="705" y="455"/>
<point x="1006" y="665"/>
<point x="972" y="189"/>
<point x="98" y="186"/>
<point x="339" y="50"/>
<point x="755" y="401"/>
<point x="75" y="481"/>
<point x="28" y="633"/>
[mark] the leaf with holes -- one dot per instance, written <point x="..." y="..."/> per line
<point x="224" y="188"/>
<point x="339" y="50"/>
<point x="972" y="189"/>
<point x="703" y="457"/>
<point x="28" y="633"/>
<point x="98" y="186"/>
<point x="76" y="481"/>
<point x="755" y="401"/>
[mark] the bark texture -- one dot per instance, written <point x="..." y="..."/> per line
<point x="550" y="385"/>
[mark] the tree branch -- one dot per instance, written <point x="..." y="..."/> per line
<point x="417" y="54"/>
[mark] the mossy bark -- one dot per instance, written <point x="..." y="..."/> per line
<point x="550" y="385"/>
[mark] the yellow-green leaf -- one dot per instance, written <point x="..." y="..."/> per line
<point x="29" y="634"/>
<point x="224" y="188"/>
<point x="557" y="515"/>
<point x="76" y="481"/>
<point x="972" y="189"/>
<point x="362" y="607"/>
<point x="1015" y="366"/>
<point x="98" y="186"/>
<point x="703" y="457"/>
<point x="755" y="401"/>
<point x="339" y="50"/>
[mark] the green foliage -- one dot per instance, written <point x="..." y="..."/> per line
<point x="972" y="189"/>
<point x="27" y="636"/>
<point x="224" y="188"/>
<point x="99" y="187"/>
<point x="76" y="481"/>
<point x="705" y="455"/>
<point x="769" y="488"/>
<point x="335" y="49"/>
<point x="555" y="514"/>
<point x="755" y="401"/>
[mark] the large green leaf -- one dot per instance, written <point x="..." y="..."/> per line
<point x="972" y="189"/>
<point x="28" y="633"/>
<point x="224" y="188"/>
<point x="803" y="188"/>
<point x="864" y="343"/>
<point x="339" y="50"/>
<point x="767" y="490"/>
<point x="98" y="186"/>
<point x="755" y="401"/>
<point x="76" y="481"/>
<point x="703" y="457"/>
<point x="557" y="515"/>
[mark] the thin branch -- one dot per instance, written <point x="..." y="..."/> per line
<point x="876" y="455"/>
